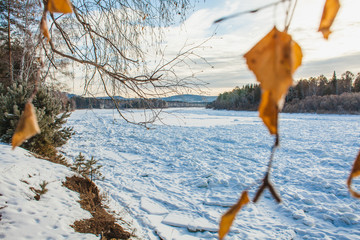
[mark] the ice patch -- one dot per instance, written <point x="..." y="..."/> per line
<point x="177" y="219"/>
<point x="167" y="232"/>
<point x="202" y="224"/>
<point x="152" y="207"/>
<point x="220" y="201"/>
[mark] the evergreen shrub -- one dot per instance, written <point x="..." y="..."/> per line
<point x="50" y="117"/>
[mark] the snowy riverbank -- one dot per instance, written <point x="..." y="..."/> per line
<point x="23" y="217"/>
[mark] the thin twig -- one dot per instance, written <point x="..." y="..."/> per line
<point x="266" y="182"/>
<point x="249" y="11"/>
<point x="291" y="16"/>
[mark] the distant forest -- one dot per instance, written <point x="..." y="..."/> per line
<point x="107" y="103"/>
<point x="313" y="95"/>
<point x="78" y="102"/>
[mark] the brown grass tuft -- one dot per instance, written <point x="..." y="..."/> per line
<point x="102" y="223"/>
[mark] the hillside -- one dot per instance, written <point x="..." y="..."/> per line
<point x="50" y="214"/>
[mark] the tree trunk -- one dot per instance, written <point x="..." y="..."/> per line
<point x="9" y="42"/>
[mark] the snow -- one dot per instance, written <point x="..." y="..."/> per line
<point x="26" y="218"/>
<point x="50" y="218"/>
<point x="152" y="207"/>
<point x="178" y="178"/>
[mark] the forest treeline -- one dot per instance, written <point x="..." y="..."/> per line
<point x="78" y="102"/>
<point x="313" y="95"/>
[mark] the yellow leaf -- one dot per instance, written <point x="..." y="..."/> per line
<point x="228" y="218"/>
<point x="329" y="13"/>
<point x="27" y="126"/>
<point x="273" y="60"/>
<point x="44" y="28"/>
<point x="355" y="172"/>
<point x="268" y="111"/>
<point x="59" y="6"/>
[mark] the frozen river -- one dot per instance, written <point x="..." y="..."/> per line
<point x="179" y="177"/>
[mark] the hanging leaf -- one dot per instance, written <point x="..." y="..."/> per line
<point x="355" y="172"/>
<point x="44" y="28"/>
<point x="329" y="13"/>
<point x="273" y="60"/>
<point x="59" y="6"/>
<point x="228" y="218"/>
<point x="27" y="126"/>
<point x="268" y="111"/>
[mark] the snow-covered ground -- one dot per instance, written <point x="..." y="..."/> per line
<point x="25" y="218"/>
<point x="178" y="179"/>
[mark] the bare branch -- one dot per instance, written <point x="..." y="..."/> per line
<point x="249" y="11"/>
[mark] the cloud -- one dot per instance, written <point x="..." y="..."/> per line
<point x="328" y="66"/>
<point x="236" y="36"/>
<point x="230" y="40"/>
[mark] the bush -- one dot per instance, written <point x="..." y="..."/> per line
<point x="48" y="112"/>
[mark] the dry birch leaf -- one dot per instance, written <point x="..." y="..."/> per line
<point x="329" y="13"/>
<point x="228" y="218"/>
<point x="59" y="6"/>
<point x="27" y="126"/>
<point x="355" y="172"/>
<point x="44" y="28"/>
<point x="273" y="60"/>
<point x="268" y="111"/>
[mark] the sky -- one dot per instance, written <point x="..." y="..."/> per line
<point x="225" y="44"/>
<point x="231" y="39"/>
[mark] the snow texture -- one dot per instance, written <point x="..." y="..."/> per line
<point x="23" y="217"/>
<point x="179" y="177"/>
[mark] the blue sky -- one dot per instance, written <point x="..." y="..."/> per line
<point x="236" y="36"/>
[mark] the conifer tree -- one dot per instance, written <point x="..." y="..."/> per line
<point x="357" y="83"/>
<point x="93" y="169"/>
<point x="50" y="118"/>
<point x="79" y="164"/>
<point x="89" y="169"/>
<point x="334" y="82"/>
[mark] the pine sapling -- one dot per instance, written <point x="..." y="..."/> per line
<point x="93" y="169"/>
<point x="79" y="164"/>
<point x="89" y="169"/>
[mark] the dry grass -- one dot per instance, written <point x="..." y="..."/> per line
<point x="41" y="191"/>
<point x="102" y="223"/>
<point x="1" y="208"/>
<point x="55" y="158"/>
